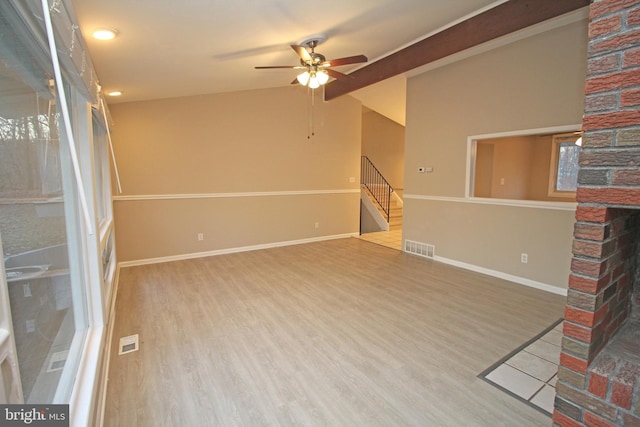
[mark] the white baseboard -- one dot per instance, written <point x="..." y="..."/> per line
<point x="500" y="275"/>
<point x="231" y="250"/>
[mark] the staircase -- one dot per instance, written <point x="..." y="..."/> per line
<point x="381" y="195"/>
<point x="395" y="210"/>
<point x="395" y="214"/>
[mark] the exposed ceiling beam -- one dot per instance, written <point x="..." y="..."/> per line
<point x="499" y="21"/>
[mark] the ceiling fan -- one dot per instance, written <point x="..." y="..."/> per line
<point x="316" y="67"/>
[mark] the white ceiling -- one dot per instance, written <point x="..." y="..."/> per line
<point x="168" y="49"/>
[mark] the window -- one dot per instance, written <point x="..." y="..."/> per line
<point x="103" y="200"/>
<point x="101" y="166"/>
<point x="40" y="226"/>
<point x="563" y="176"/>
<point x="50" y="301"/>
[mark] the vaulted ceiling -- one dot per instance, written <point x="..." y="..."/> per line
<point x="169" y="49"/>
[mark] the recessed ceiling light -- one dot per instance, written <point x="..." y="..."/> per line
<point x="115" y="93"/>
<point x="105" y="34"/>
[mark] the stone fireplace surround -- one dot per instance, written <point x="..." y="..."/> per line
<point x="599" y="373"/>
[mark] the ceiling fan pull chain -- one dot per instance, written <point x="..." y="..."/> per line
<point x="313" y="104"/>
<point x="310" y="132"/>
<point x="308" y="114"/>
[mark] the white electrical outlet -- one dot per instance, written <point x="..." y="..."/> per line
<point x="26" y="288"/>
<point x="200" y="236"/>
<point x="31" y="326"/>
<point x="524" y="258"/>
<point x="317" y="225"/>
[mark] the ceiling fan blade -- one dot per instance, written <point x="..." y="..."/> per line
<point x="337" y="74"/>
<point x="347" y="60"/>
<point x="277" y="66"/>
<point x="302" y="52"/>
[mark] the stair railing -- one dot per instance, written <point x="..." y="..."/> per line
<point x="377" y="185"/>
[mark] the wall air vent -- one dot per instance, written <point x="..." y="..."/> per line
<point x="420" y="249"/>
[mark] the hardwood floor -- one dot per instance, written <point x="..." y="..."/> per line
<point x="335" y="333"/>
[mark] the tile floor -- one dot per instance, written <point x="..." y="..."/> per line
<point x="391" y="239"/>
<point x="529" y="373"/>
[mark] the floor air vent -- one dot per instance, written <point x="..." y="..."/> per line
<point x="56" y="361"/>
<point x="128" y="344"/>
<point x="421" y="249"/>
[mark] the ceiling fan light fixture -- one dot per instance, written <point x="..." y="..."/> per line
<point x="322" y="76"/>
<point x="314" y="82"/>
<point x="303" y="78"/>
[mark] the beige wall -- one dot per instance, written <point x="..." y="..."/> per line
<point x="539" y="177"/>
<point x="531" y="84"/>
<point x="202" y="160"/>
<point x="383" y="143"/>
<point x="511" y="168"/>
<point x="515" y="168"/>
<point x="483" y="183"/>
<point x="493" y="237"/>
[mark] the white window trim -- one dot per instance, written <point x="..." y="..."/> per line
<point x="558" y="139"/>
<point x="65" y="113"/>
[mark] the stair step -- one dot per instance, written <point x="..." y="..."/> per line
<point x="395" y="211"/>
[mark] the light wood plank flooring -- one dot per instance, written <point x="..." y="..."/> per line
<point x="335" y="333"/>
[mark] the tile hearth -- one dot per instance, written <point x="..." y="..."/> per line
<point x="529" y="373"/>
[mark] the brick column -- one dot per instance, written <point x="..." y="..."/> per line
<point x="592" y="389"/>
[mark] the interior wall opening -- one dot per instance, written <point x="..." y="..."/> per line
<point x="533" y="165"/>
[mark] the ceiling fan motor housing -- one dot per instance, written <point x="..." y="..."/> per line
<point x="316" y="59"/>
